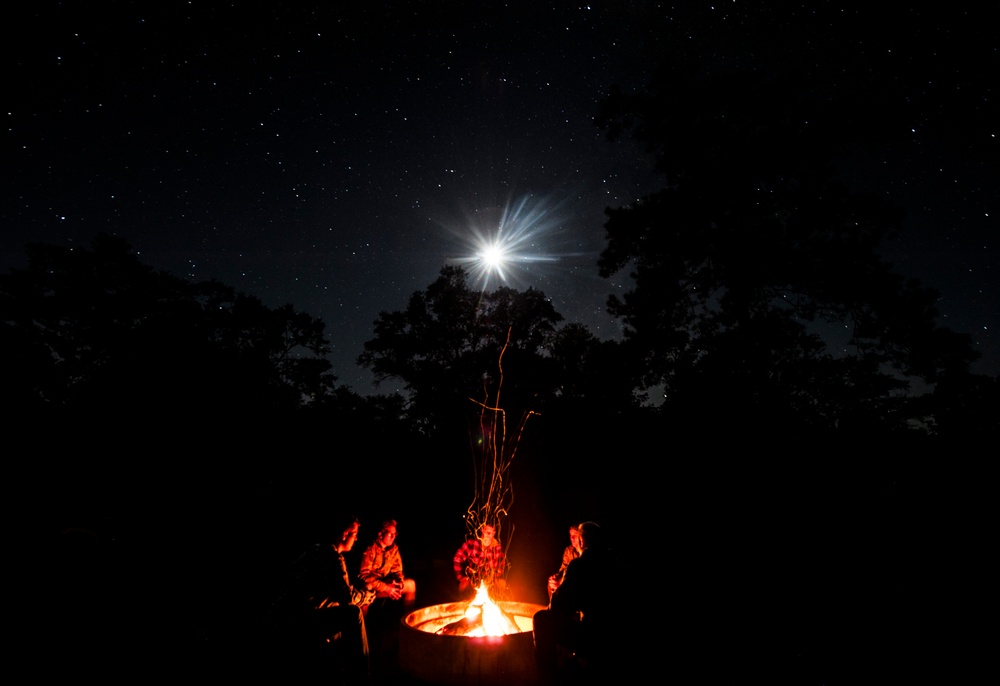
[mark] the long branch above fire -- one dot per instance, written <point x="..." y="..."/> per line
<point x="494" y="451"/>
<point x="488" y="639"/>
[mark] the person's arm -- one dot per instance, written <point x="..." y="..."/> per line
<point x="501" y="563"/>
<point x="569" y="554"/>
<point x="391" y="583"/>
<point x="565" y="597"/>
<point x="369" y="571"/>
<point x="367" y="563"/>
<point x="396" y="566"/>
<point x="467" y="562"/>
<point x="461" y="557"/>
<point x="556" y="579"/>
<point x="345" y="593"/>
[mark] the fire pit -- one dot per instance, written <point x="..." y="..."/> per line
<point x="457" y="660"/>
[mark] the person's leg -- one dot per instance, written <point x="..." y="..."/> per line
<point x="556" y="636"/>
<point x="409" y="591"/>
<point x="544" y="630"/>
<point x="347" y="638"/>
<point x="362" y="667"/>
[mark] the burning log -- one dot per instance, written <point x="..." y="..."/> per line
<point x="462" y="627"/>
<point x="483" y="617"/>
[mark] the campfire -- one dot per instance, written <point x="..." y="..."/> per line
<point x="480" y="643"/>
<point x="484" y="642"/>
<point x="482" y="618"/>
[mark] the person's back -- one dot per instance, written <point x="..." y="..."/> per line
<point x="318" y="581"/>
<point x="582" y="613"/>
<point x="588" y="588"/>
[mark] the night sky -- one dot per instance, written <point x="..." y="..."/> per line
<point x="336" y="155"/>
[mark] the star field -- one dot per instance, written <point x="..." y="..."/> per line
<point x="330" y="157"/>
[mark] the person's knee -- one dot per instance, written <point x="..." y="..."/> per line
<point x="541" y="624"/>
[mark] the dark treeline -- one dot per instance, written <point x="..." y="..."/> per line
<point x="186" y="442"/>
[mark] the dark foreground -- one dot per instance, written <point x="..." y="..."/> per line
<point x="688" y="631"/>
<point x="803" y="572"/>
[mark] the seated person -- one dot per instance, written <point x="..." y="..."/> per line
<point x="382" y="568"/>
<point x="570" y="553"/>
<point x="481" y="561"/>
<point x="582" y="617"/>
<point x="320" y="611"/>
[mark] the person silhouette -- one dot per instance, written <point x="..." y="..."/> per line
<point x="320" y="611"/>
<point x="578" y="627"/>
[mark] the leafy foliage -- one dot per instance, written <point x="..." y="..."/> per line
<point x="97" y="331"/>
<point x="759" y="290"/>
<point x="445" y="347"/>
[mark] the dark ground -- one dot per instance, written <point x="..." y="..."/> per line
<point x="727" y="616"/>
<point x="849" y="571"/>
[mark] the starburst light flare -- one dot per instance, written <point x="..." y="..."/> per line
<point x="503" y="247"/>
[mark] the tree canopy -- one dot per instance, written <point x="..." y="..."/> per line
<point x="446" y="347"/>
<point x="759" y="290"/>
<point x="95" y="331"/>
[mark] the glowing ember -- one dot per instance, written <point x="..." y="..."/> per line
<point x="483" y="617"/>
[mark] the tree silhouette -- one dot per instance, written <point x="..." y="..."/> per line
<point x="95" y="332"/>
<point x="760" y="295"/>
<point x="446" y="344"/>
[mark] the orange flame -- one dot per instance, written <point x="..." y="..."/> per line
<point x="494" y="621"/>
